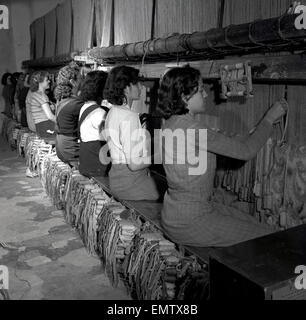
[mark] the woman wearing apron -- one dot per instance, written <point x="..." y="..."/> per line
<point x="129" y="175"/>
<point x="91" y="123"/>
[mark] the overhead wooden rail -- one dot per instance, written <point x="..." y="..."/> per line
<point x="269" y="35"/>
<point x="52" y="62"/>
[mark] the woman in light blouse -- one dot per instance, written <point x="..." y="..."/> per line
<point x="129" y="176"/>
<point x="39" y="107"/>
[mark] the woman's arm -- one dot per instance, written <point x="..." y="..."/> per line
<point x="247" y="148"/>
<point x="236" y="148"/>
<point x="48" y="112"/>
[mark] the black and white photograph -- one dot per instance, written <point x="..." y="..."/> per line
<point x="152" y="153"/>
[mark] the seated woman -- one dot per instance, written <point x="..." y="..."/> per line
<point x="67" y="114"/>
<point x="22" y="100"/>
<point x="21" y="92"/>
<point x="129" y="175"/>
<point x="39" y="108"/>
<point x="8" y="93"/>
<point x="189" y="216"/>
<point x="91" y="122"/>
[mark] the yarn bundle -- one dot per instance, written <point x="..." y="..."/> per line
<point x="150" y="268"/>
<point x="115" y="235"/>
<point x="87" y="219"/>
<point x="35" y="151"/>
<point x="73" y="195"/>
<point x="53" y="175"/>
<point x="21" y="140"/>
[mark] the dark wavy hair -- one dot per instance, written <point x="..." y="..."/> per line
<point x="175" y="83"/>
<point x="93" y="86"/>
<point x="5" y="77"/>
<point x="36" y="78"/>
<point x="118" y="79"/>
<point x="64" y="87"/>
<point x="16" y="75"/>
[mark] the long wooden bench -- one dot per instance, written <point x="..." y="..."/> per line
<point x="151" y="211"/>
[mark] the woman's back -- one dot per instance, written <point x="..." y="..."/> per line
<point x="91" y="126"/>
<point x="129" y="176"/>
<point x="35" y="101"/>
<point x="67" y="116"/>
<point x="120" y="125"/>
<point x="180" y="153"/>
<point x="91" y="120"/>
<point x="30" y="120"/>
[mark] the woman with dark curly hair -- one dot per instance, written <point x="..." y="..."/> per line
<point x="129" y="175"/>
<point x="40" y="114"/>
<point x="91" y="123"/>
<point x="8" y="93"/>
<point x="67" y="114"/>
<point x="189" y="216"/>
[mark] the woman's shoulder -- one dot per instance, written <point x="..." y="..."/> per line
<point x="84" y="106"/>
<point x="38" y="94"/>
<point x="98" y="111"/>
<point x="188" y="121"/>
<point x="180" y="122"/>
<point x="70" y="103"/>
<point x="122" y="112"/>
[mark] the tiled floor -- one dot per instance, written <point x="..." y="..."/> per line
<point x="45" y="256"/>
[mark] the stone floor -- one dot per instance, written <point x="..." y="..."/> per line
<point x="45" y="256"/>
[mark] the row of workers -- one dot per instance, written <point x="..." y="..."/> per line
<point x="84" y="126"/>
<point x="14" y="93"/>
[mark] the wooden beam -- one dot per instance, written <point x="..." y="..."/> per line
<point x="52" y="62"/>
<point x="260" y="35"/>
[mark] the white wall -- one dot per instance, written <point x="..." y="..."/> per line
<point x="41" y="7"/>
<point x="24" y="12"/>
<point x="21" y="13"/>
<point x="15" y="42"/>
<point x="7" y="54"/>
